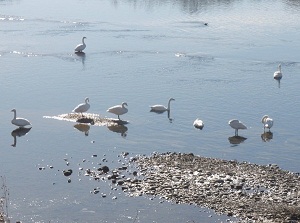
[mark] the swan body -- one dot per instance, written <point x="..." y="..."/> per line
<point x="267" y="122"/>
<point x="198" y="124"/>
<point x="161" y="108"/>
<point x="80" y="47"/>
<point x="278" y="74"/>
<point x="21" y="122"/>
<point x="236" y="124"/>
<point x="118" y="109"/>
<point x="82" y="107"/>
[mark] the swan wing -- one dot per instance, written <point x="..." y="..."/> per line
<point x="158" y="108"/>
<point x="20" y="122"/>
<point x="81" y="107"/>
<point x="80" y="47"/>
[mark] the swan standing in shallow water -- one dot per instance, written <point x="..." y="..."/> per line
<point x="80" y="47"/>
<point x="278" y="74"/>
<point x="82" y="107"/>
<point x="198" y="124"/>
<point x="118" y="109"/>
<point x="21" y="122"/>
<point x="161" y="108"/>
<point x="236" y="124"/>
<point x="267" y="121"/>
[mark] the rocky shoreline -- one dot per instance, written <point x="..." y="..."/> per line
<point x="250" y="192"/>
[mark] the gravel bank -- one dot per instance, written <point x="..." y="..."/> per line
<point x="253" y="193"/>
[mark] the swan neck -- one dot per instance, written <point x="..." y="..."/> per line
<point x="15" y="114"/>
<point x="169" y="104"/>
<point x="83" y="40"/>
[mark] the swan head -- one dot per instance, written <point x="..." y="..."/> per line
<point x="87" y="100"/>
<point x="124" y="103"/>
<point x="13" y="110"/>
<point x="171" y="99"/>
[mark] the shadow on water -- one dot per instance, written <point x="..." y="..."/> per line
<point x="19" y="132"/>
<point x="83" y="128"/>
<point x="235" y="140"/>
<point x="267" y="136"/>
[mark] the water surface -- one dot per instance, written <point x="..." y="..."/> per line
<point x="141" y="52"/>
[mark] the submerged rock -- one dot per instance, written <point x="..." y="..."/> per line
<point x="67" y="172"/>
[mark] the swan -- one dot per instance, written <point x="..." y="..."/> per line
<point x="278" y="74"/>
<point x="198" y="124"/>
<point x="236" y="124"/>
<point x="161" y="108"/>
<point x="82" y="107"/>
<point x="21" y="122"/>
<point x="118" y="109"/>
<point x="80" y="47"/>
<point x="267" y="121"/>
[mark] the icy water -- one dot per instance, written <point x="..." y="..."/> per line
<point x="143" y="53"/>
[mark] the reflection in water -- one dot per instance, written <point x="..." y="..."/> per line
<point x="278" y="80"/>
<point x="81" y="56"/>
<point x="168" y="114"/>
<point x="267" y="136"/>
<point x="83" y="128"/>
<point x="122" y="129"/>
<point x="191" y="6"/>
<point x="21" y="131"/>
<point x="235" y="140"/>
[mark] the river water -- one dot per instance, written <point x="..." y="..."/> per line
<point x="143" y="53"/>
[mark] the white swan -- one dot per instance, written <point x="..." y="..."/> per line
<point x="199" y="124"/>
<point x="236" y="124"/>
<point x="278" y="74"/>
<point x="161" y="108"/>
<point x="82" y="107"/>
<point x="267" y="122"/>
<point x="80" y="47"/>
<point x="118" y="109"/>
<point x="21" y="122"/>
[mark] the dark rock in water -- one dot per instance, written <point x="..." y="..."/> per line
<point x="105" y="169"/>
<point x="86" y="120"/>
<point x="67" y="172"/>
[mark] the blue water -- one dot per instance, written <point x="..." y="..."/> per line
<point x="141" y="52"/>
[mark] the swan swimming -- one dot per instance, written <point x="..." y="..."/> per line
<point x="82" y="107"/>
<point x="198" y="124"/>
<point x="80" y="47"/>
<point x="267" y="122"/>
<point x="118" y="109"/>
<point x="236" y="124"/>
<point x="278" y="74"/>
<point x="161" y="108"/>
<point x="21" y="122"/>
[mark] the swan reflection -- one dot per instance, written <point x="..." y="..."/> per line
<point x="122" y="129"/>
<point x="267" y="136"/>
<point x="278" y="82"/>
<point x="168" y="114"/>
<point x="19" y="132"/>
<point x="235" y="140"/>
<point x="83" y="128"/>
<point x="81" y="56"/>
